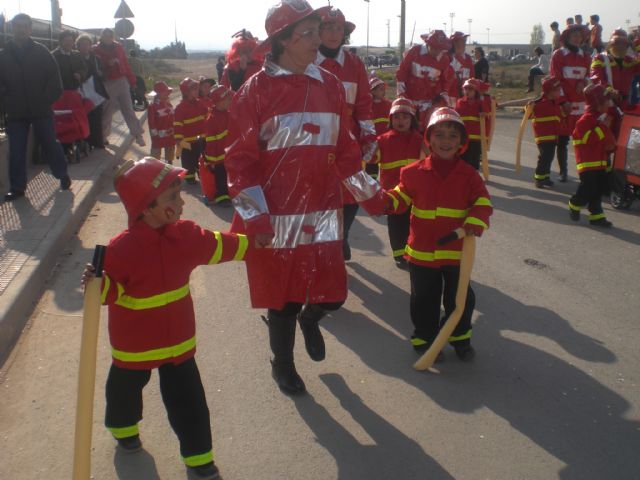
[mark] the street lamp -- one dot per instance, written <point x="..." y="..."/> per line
<point x="444" y="25"/>
<point x="367" y="26"/>
<point x="488" y="39"/>
<point x="470" y="20"/>
<point x="452" y="14"/>
<point x="388" y="33"/>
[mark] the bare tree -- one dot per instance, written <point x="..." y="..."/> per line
<point x="537" y="36"/>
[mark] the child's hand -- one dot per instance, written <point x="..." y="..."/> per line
<point x="473" y="230"/>
<point x="88" y="273"/>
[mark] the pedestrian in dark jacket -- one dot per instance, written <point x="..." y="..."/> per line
<point x="29" y="84"/>
<point x="73" y="71"/>
<point x="95" y="72"/>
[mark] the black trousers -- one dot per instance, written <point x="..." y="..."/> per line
<point x="220" y="174"/>
<point x="182" y="394"/>
<point x="546" y="152"/>
<point x="189" y="159"/>
<point x="350" y="210"/>
<point x="431" y="287"/>
<point x="291" y="309"/>
<point x="562" y="152"/>
<point x="398" y="228"/>
<point x="372" y="169"/>
<point x="593" y="184"/>
<point x="95" y="127"/>
<point x="473" y="153"/>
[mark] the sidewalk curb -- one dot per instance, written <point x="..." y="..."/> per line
<point x="25" y="290"/>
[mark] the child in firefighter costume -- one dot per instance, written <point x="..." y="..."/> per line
<point x="243" y="60"/>
<point x="213" y="175"/>
<point x="333" y="57"/>
<point x="380" y="107"/>
<point x="593" y="142"/>
<point x="397" y="148"/>
<point x="151" y="316"/>
<point x="291" y="151"/>
<point x="160" y="116"/>
<point x="189" y="127"/>
<point x="443" y="193"/>
<point x="462" y="64"/>
<point x="474" y="107"/>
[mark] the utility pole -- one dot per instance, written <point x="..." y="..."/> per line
<point x="403" y="17"/>
<point x="452" y="14"/>
<point x="488" y="39"/>
<point x="368" y="1"/>
<point x="470" y="20"/>
<point x="388" y="33"/>
<point x="56" y="16"/>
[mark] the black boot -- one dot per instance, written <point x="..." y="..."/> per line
<point x="282" y="336"/>
<point x="313" y="341"/>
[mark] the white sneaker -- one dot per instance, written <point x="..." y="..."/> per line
<point x="140" y="141"/>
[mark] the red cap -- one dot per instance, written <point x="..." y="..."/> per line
<point x="139" y="183"/>
<point x="187" y="84"/>
<point x="402" y="104"/>
<point x="549" y="84"/>
<point x="335" y="15"/>
<point x="284" y="14"/>
<point x="161" y="87"/>
<point x="619" y="38"/>
<point x="458" y="36"/>
<point x="218" y="92"/>
<point x="477" y="84"/>
<point x="446" y="114"/>
<point x="596" y="94"/>
<point x="374" y="82"/>
<point x="564" y="37"/>
<point x="437" y="39"/>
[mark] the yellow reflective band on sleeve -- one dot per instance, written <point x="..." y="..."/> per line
<point x="483" y="202"/>
<point x="438" y="212"/>
<point x="473" y="136"/>
<point x="396" y="164"/>
<point x="157" y="354"/>
<point x="178" y="124"/>
<point x="220" y="136"/>
<point x="433" y="256"/>
<point x="190" y="139"/>
<point x="212" y="159"/>
<point x="105" y="289"/>
<point x="553" y="118"/>
<point x="583" y="165"/>
<point x="243" y="243"/>
<point x="188" y="121"/>
<point x="124" y="432"/>
<point x="398" y="253"/>
<point x="470" y="119"/>
<point x="476" y="221"/>
<point x="600" y="133"/>
<point x="597" y="63"/>
<point x="404" y="196"/>
<point x="464" y="336"/>
<point x="584" y="139"/>
<point x="178" y="136"/>
<point x="217" y="255"/>
<point x="197" y="460"/>
<point x="545" y="138"/>
<point x="154" y="301"/>
<point x="381" y="120"/>
<point x="395" y="201"/>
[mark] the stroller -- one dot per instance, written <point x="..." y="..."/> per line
<point x="71" y="124"/>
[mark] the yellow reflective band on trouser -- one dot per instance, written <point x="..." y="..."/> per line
<point x="124" y="432"/>
<point x="381" y="120"/>
<point x="243" y="243"/>
<point x="473" y="136"/>
<point x="476" y="221"/>
<point x="416" y="342"/>
<point x="438" y="212"/>
<point x="154" y="301"/>
<point x="575" y="208"/>
<point x="433" y="256"/>
<point x="541" y="177"/>
<point x="404" y="196"/>
<point x="464" y="336"/>
<point x="553" y="118"/>
<point x="546" y="138"/>
<point x="583" y="165"/>
<point x="212" y="159"/>
<point x="596" y="216"/>
<point x="157" y="354"/>
<point x="396" y="164"/>
<point x="221" y="198"/>
<point x="398" y="253"/>
<point x="220" y="136"/>
<point x="188" y="121"/>
<point x="197" y="460"/>
<point x="482" y="201"/>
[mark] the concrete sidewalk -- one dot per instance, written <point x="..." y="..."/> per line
<point x="35" y="229"/>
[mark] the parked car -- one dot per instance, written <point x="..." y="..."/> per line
<point x="388" y="59"/>
<point x="520" y="58"/>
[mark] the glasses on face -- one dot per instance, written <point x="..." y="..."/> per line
<point x="309" y="33"/>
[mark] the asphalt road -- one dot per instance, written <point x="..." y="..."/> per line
<point x="553" y="392"/>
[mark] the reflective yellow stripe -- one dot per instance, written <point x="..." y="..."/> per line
<point x="583" y="165"/>
<point x="124" y="432"/>
<point x="574" y="207"/>
<point x="398" y="253"/>
<point x="417" y="342"/>
<point x="473" y="136"/>
<point x="597" y="63"/>
<point x="405" y="197"/>
<point x="154" y="301"/>
<point x="482" y="201"/>
<point x="600" y="133"/>
<point x="476" y="221"/>
<point x="396" y="164"/>
<point x="178" y="124"/>
<point x="381" y="120"/>
<point x="545" y="138"/>
<point x="553" y="118"/>
<point x="221" y="198"/>
<point x="433" y="256"/>
<point x="188" y="121"/>
<point x="105" y="289"/>
<point x="209" y="158"/>
<point x="217" y="255"/>
<point x="395" y="201"/>
<point x="220" y="136"/>
<point x="471" y="119"/>
<point x="243" y="243"/>
<point x="190" y="139"/>
<point x="541" y="177"/>
<point x="596" y="216"/>
<point x="157" y="354"/>
<point x="197" y="460"/>
<point x="438" y="212"/>
<point x="584" y="139"/>
<point x="464" y="336"/>
<point x="178" y="136"/>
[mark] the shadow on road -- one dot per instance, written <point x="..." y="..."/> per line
<point x="558" y="406"/>
<point x="394" y="455"/>
<point x="135" y="466"/>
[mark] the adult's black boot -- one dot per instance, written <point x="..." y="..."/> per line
<point x="313" y="341"/>
<point x="282" y="336"/>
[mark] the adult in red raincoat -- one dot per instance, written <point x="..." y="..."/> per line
<point x="242" y="60"/>
<point x="291" y="152"/>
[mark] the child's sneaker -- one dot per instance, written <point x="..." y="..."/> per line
<point x="130" y="444"/>
<point x="401" y="263"/>
<point x="544" y="183"/>
<point x="601" y="222"/>
<point x="574" y="215"/>
<point x="465" y="352"/>
<point x="204" y="472"/>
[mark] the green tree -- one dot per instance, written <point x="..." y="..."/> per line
<point x="537" y="36"/>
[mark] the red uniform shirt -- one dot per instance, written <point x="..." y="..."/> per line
<point x="114" y="62"/>
<point x="146" y="286"/>
<point x="572" y="69"/>
<point x="189" y="120"/>
<point x="160" y="116"/>
<point x="548" y="120"/>
<point x="622" y="73"/>
<point x="380" y="110"/>
<point x="463" y="70"/>
<point x="592" y="141"/>
<point x="439" y="206"/>
<point x="396" y="150"/>
<point x="469" y="110"/>
<point x="216" y="135"/>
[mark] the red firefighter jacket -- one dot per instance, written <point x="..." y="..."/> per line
<point x="463" y="70"/>
<point x="592" y="141"/>
<point x="396" y="150"/>
<point x="421" y="76"/>
<point x="216" y="135"/>
<point x="160" y="117"/>
<point x="572" y="69"/>
<point x="380" y="110"/>
<point x="189" y="120"/>
<point x="114" y="62"/>
<point x="146" y="286"/>
<point x="439" y="206"/>
<point x="548" y="120"/>
<point x="291" y="151"/>
<point x="469" y="110"/>
<point x="622" y="72"/>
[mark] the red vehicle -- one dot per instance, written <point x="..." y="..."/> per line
<point x="72" y="124"/>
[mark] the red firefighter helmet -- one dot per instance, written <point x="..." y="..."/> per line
<point x="446" y="114"/>
<point x="139" y="183"/>
<point x="402" y="104"/>
<point x="566" y="33"/>
<point x="284" y="14"/>
<point x="218" y="92"/>
<point x="549" y="84"/>
<point x="596" y="94"/>
<point x="160" y="88"/>
<point x="437" y="39"/>
<point x="619" y="38"/>
<point x="477" y="84"/>
<point x="187" y="84"/>
<point x="335" y="15"/>
<point x="375" y="82"/>
<point x="458" y="36"/>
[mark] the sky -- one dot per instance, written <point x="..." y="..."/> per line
<point x="209" y="24"/>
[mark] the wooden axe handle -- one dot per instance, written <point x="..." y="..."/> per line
<point x="527" y="113"/>
<point x="483" y="148"/>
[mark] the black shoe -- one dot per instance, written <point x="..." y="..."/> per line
<point x="544" y="183"/>
<point x="465" y="352"/>
<point x="601" y="222"/>
<point x="574" y="215"/>
<point x="65" y="182"/>
<point x="13" y="195"/>
<point x="313" y="341"/>
<point x="288" y="380"/>
<point x="563" y="177"/>
<point x="204" y="472"/>
<point x="401" y="263"/>
<point x="130" y="444"/>
<point x="282" y="336"/>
